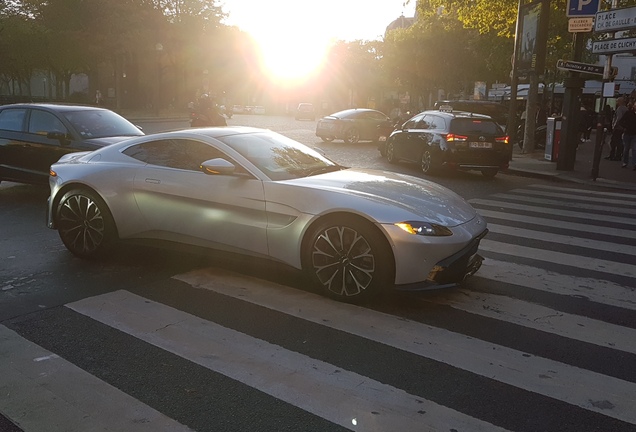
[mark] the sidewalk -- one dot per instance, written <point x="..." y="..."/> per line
<point x="610" y="173"/>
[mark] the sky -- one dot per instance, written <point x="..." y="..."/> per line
<point x="340" y="19"/>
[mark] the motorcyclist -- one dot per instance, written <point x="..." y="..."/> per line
<point x="207" y="113"/>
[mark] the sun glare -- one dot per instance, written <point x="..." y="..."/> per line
<point x="291" y="57"/>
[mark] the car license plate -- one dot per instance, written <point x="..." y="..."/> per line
<point x="382" y="138"/>
<point x="480" y="144"/>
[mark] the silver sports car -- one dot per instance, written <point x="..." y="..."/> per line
<point x="354" y="232"/>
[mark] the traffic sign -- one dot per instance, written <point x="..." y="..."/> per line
<point x="612" y="46"/>
<point x="580" y="25"/>
<point x="615" y="20"/>
<point x="580" y="67"/>
<point x="582" y="8"/>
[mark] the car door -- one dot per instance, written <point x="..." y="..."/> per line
<point x="41" y="152"/>
<point x="400" y="138"/>
<point x="180" y="202"/>
<point x="11" y="144"/>
<point x="417" y="138"/>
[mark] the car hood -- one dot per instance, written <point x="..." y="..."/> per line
<point x="430" y="201"/>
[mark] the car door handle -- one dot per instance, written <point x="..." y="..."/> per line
<point x="154" y="181"/>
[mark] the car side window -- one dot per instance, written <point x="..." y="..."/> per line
<point x="12" y="119"/>
<point x="181" y="154"/>
<point x="415" y="123"/>
<point x="42" y="122"/>
<point x="436" y="122"/>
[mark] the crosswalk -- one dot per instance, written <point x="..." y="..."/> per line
<point x="542" y="338"/>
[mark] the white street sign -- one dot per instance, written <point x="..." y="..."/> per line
<point x="614" y="46"/>
<point x="615" y="19"/>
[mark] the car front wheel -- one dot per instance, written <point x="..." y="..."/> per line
<point x="390" y="153"/>
<point x="326" y="139"/>
<point x="352" y="136"/>
<point x="428" y="162"/>
<point x="348" y="259"/>
<point x="84" y="223"/>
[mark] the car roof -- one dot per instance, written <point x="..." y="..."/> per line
<point x="354" y="110"/>
<point x="459" y="114"/>
<point x="53" y="106"/>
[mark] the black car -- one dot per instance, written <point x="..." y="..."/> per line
<point x="447" y="139"/>
<point x="353" y="125"/>
<point x="34" y="136"/>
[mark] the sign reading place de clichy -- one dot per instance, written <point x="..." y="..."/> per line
<point x="614" y="46"/>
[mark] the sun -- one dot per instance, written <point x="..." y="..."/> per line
<point x="291" y="60"/>
<point x="292" y="57"/>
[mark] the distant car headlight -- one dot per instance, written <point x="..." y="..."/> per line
<point x="424" y="228"/>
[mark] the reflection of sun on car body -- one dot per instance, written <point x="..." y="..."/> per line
<point x="354" y="232"/>
<point x="353" y="125"/>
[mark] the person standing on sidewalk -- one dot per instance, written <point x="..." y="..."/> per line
<point x="616" y="141"/>
<point x="628" y="121"/>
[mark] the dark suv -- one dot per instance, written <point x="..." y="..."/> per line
<point x="447" y="139"/>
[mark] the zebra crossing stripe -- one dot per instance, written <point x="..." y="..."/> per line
<point x="555" y="223"/>
<point x="586" y="389"/>
<point x="624" y="198"/>
<point x="342" y="397"/>
<point x="611" y="267"/>
<point x="45" y="389"/>
<point x="596" y="290"/>
<point x="562" y="239"/>
<point x="555" y="212"/>
<point x="542" y="318"/>
<point x="562" y="203"/>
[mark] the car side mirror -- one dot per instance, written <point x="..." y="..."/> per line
<point x="217" y="166"/>
<point x="62" y="137"/>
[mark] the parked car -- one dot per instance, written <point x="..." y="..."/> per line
<point x="306" y="111"/>
<point x="353" y="125"/>
<point x="354" y="232"/>
<point x="33" y="136"/>
<point x="238" y="109"/>
<point x="436" y="140"/>
<point x="260" y="110"/>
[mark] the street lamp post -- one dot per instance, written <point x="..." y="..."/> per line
<point x="158" y="49"/>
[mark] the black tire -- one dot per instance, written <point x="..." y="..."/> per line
<point x="427" y="162"/>
<point x="327" y="139"/>
<point x="489" y="172"/>
<point x="390" y="153"/>
<point x="352" y="136"/>
<point x="348" y="259"/>
<point x="85" y="224"/>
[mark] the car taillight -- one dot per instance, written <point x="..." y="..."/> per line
<point x="454" y="137"/>
<point x="504" y="140"/>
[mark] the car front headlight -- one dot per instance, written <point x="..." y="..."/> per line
<point x="424" y="228"/>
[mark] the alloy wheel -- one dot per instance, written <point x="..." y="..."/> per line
<point x="81" y="224"/>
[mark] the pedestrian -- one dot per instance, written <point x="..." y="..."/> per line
<point x="98" y="97"/>
<point x="616" y="141"/>
<point x="628" y="121"/>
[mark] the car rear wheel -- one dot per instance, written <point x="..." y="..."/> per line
<point x="489" y="172"/>
<point x="352" y="136"/>
<point x="85" y="224"/>
<point x="326" y="139"/>
<point x="427" y="163"/>
<point x="348" y="259"/>
<point x="390" y="153"/>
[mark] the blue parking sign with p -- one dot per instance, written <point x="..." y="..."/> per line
<point x="583" y="8"/>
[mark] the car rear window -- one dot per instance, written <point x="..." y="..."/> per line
<point x="467" y="126"/>
<point x="12" y="119"/>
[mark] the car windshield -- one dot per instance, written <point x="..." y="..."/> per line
<point x="279" y="157"/>
<point x="100" y="123"/>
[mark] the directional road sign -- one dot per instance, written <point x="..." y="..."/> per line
<point x="581" y="8"/>
<point x="615" y="20"/>
<point x="580" y="67"/>
<point x="612" y="46"/>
